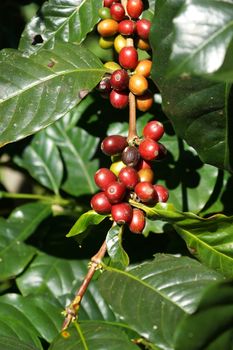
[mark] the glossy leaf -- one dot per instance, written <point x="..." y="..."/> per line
<point x="215" y="314"/>
<point x="84" y="221"/>
<point x="115" y="249"/>
<point x="93" y="336"/>
<point x="68" y="21"/>
<point x="198" y="108"/>
<point x="37" y="91"/>
<point x="13" y="343"/>
<point x="207" y="28"/>
<point x="172" y="285"/>
<point x="77" y="149"/>
<point x="209" y="239"/>
<point x="60" y="278"/>
<point x="14" y="254"/>
<point x="42" y="160"/>
<point x="38" y="314"/>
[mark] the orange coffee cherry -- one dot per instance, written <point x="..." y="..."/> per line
<point x="107" y="27"/>
<point x="138" y="84"/>
<point x="144" y="68"/>
<point x="144" y="102"/>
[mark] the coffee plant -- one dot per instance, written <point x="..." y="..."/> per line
<point x="116" y="175"/>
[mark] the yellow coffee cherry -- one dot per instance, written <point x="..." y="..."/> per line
<point x="119" y="43"/>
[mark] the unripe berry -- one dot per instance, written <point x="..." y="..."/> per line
<point x="144" y="68"/>
<point x="119" y="43"/>
<point x="138" y="84"/>
<point x="129" y="177"/>
<point x="134" y="8"/>
<point x="138" y="221"/>
<point x="106" y="43"/>
<point x="116" y="167"/>
<point x="146" y="175"/>
<point x="117" y="11"/>
<point x="101" y="204"/>
<point x="126" y="27"/>
<point x="107" y="27"/>
<point x="119" y="79"/>
<point x="122" y="213"/>
<point x="144" y="102"/>
<point x="162" y="193"/>
<point x="153" y="130"/>
<point x="111" y="65"/>
<point x="145" y="192"/>
<point x="143" y="28"/>
<point x="104" y="177"/>
<point x="113" y="144"/>
<point x="104" y="13"/>
<point x="119" y="99"/>
<point x="128" y="57"/>
<point x="130" y="156"/>
<point x="149" y="149"/>
<point x="143" y="44"/>
<point x="115" y="192"/>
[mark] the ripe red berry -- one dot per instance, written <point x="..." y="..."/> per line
<point x="104" y="177"/>
<point x="113" y="144"/>
<point x="129" y="177"/>
<point x="101" y="204"/>
<point x="145" y="192"/>
<point x="149" y="149"/>
<point x="119" y="99"/>
<point x="108" y="3"/>
<point x="143" y="28"/>
<point x="138" y="221"/>
<point x="153" y="130"/>
<point x="117" y="11"/>
<point x="128" y="57"/>
<point x="134" y="8"/>
<point x="115" y="192"/>
<point x="119" y="79"/>
<point x="162" y="193"/>
<point x="122" y="213"/>
<point x="126" y="27"/>
<point x="130" y="156"/>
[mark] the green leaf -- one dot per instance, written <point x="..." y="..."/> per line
<point x="155" y="294"/>
<point x="53" y="82"/>
<point x="77" y="148"/>
<point x="13" y="343"/>
<point x="93" y="336"/>
<point x="68" y="21"/>
<point x="214" y="315"/>
<point x="198" y="108"/>
<point x="84" y="221"/>
<point x="209" y="239"/>
<point x="23" y="221"/>
<point x="60" y="278"/>
<point x="116" y="252"/>
<point x="209" y="34"/>
<point x="39" y="314"/>
<point x="42" y="160"/>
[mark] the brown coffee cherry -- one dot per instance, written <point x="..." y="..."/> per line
<point x="130" y="156"/>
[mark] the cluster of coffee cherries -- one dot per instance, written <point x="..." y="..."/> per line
<point x="122" y="28"/>
<point x="130" y="177"/>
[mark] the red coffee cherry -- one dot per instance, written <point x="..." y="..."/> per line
<point x="128" y="57"/>
<point x="101" y="204"/>
<point x="130" y="156"/>
<point x="138" y="221"/>
<point x="146" y="175"/>
<point x="126" y="27"/>
<point x="119" y="80"/>
<point x="153" y="130"/>
<point x="115" y="192"/>
<point x="119" y="99"/>
<point x="107" y="27"/>
<point x="113" y="144"/>
<point x="117" y="11"/>
<point x="149" y="149"/>
<point x="108" y="3"/>
<point x="134" y="8"/>
<point x="122" y="213"/>
<point x="162" y="193"/>
<point x="129" y="177"/>
<point x="145" y="192"/>
<point x="104" y="177"/>
<point x="143" y="28"/>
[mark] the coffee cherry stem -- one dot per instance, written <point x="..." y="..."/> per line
<point x="132" y="133"/>
<point x="95" y="264"/>
<point x="129" y="42"/>
<point x="124" y="4"/>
